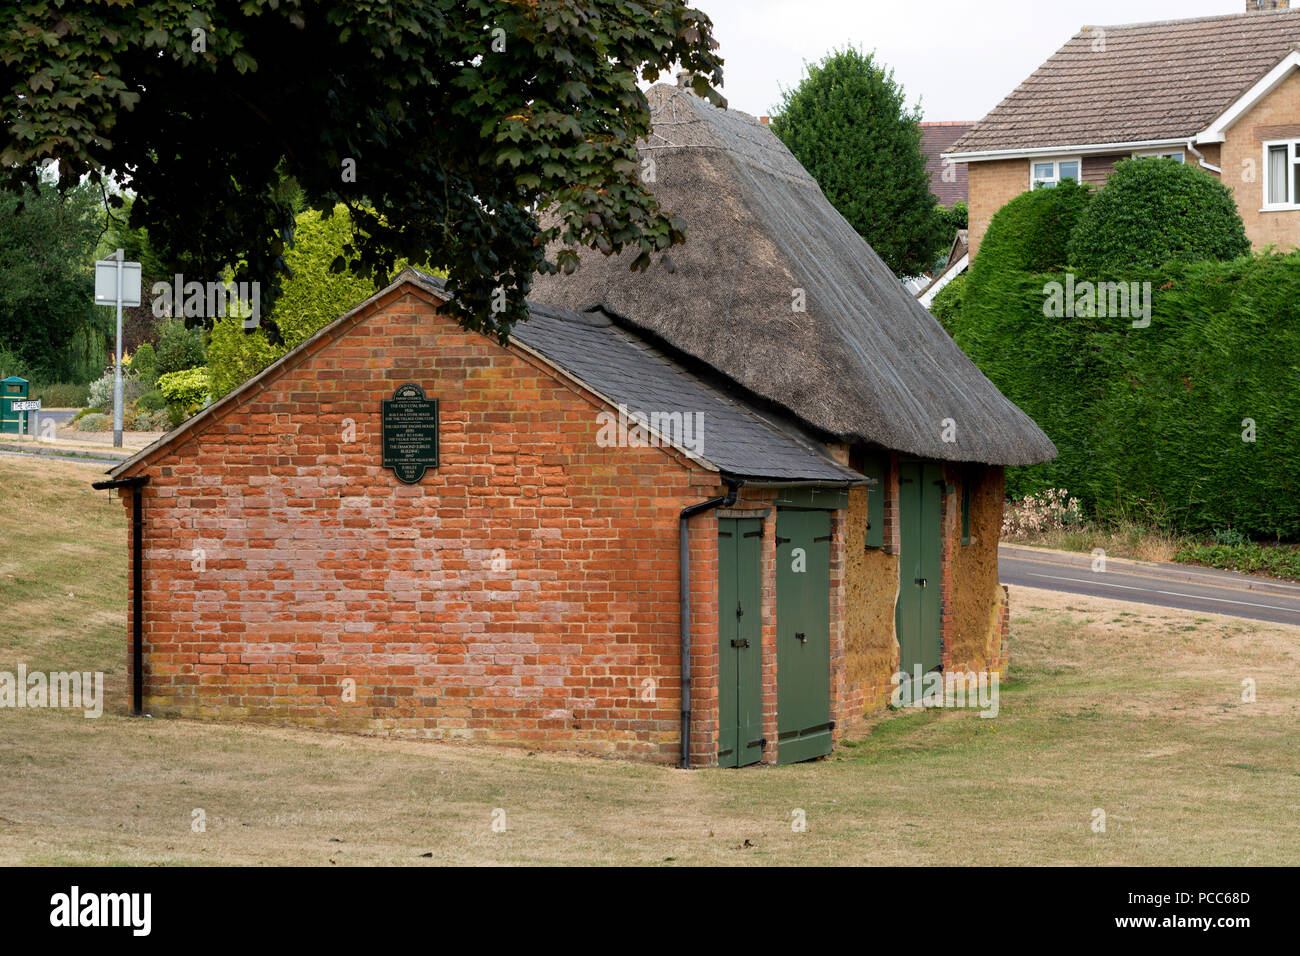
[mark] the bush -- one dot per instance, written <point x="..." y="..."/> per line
<point x="100" y="392"/>
<point x="62" y="395"/>
<point x="1280" y="562"/>
<point x="1053" y="510"/>
<point x="179" y="348"/>
<point x="151" y="401"/>
<point x="94" y="422"/>
<point x="1152" y="212"/>
<point x="144" y="364"/>
<point x="154" y="421"/>
<point x="1032" y="232"/>
<point x="186" y="390"/>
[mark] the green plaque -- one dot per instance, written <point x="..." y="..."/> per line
<point x="410" y="433"/>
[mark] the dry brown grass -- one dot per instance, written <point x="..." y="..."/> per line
<point x="1131" y="709"/>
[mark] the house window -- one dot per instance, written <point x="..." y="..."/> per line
<point x="1176" y="155"/>
<point x="1049" y="173"/>
<point x="1282" y="175"/>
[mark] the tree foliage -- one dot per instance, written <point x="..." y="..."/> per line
<point x="470" y="134"/>
<point x="48" y="318"/>
<point x="848" y="123"/>
<point x="311" y="299"/>
<point x="1154" y="211"/>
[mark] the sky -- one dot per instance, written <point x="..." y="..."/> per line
<point x="960" y="57"/>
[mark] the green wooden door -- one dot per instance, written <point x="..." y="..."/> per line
<point x="803" y="640"/>
<point x="919" y="566"/>
<point x="740" y="641"/>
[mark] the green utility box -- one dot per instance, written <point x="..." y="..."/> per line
<point x="12" y="389"/>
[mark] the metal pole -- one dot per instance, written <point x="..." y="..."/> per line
<point x="117" y="369"/>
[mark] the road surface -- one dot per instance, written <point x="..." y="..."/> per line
<point x="1190" y="588"/>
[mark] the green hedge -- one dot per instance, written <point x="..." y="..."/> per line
<point x="1149" y="421"/>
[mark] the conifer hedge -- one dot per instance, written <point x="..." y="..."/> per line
<point x="1156" y="422"/>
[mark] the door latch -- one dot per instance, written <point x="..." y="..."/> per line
<point x="921" y="581"/>
<point x="800" y="637"/>
<point x="742" y="642"/>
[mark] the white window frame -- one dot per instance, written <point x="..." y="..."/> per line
<point x="1056" y="162"/>
<point x="1293" y="157"/>
<point x="1177" y="155"/>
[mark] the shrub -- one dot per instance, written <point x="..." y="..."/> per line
<point x="62" y="395"/>
<point x="1152" y="212"/>
<point x="1231" y="537"/>
<point x="179" y="348"/>
<point x="151" y="421"/>
<point x="1032" y="232"/>
<point x="100" y="392"/>
<point x="144" y="364"/>
<point x="94" y="422"/>
<point x="151" y="401"/>
<point x="186" y="390"/>
<point x="1053" y="510"/>
<point x="1280" y="562"/>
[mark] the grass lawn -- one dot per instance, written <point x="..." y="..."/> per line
<point x="1133" y="710"/>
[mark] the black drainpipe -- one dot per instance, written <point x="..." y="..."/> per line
<point x="684" y="565"/>
<point x="136" y="484"/>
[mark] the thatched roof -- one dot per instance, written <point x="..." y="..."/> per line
<point x="865" y="362"/>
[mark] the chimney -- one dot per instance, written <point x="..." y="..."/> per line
<point x="684" y="79"/>
<point x="1260" y="6"/>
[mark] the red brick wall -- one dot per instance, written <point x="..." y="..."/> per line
<point x="525" y="592"/>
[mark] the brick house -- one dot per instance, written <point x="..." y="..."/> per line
<point x="947" y="179"/>
<point x="703" y="516"/>
<point x="1220" y="92"/>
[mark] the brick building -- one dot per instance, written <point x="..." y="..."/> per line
<point x="1222" y="93"/>
<point x="705" y="515"/>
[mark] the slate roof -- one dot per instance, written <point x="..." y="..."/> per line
<point x="937" y="139"/>
<point x="1139" y="82"/>
<point x="862" y="361"/>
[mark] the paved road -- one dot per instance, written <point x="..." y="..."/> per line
<point x="1194" y="589"/>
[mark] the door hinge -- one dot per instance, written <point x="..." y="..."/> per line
<point x="754" y="534"/>
<point x="781" y="540"/>
<point x="825" y="537"/>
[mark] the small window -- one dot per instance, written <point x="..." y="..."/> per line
<point x="1281" y="175"/>
<point x="1048" y="175"/>
<point x="1176" y="155"/>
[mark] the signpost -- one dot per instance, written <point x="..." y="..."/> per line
<point x="26" y="405"/>
<point x="117" y="282"/>
<point x="410" y="433"/>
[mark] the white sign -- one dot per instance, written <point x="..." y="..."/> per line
<point x="33" y="405"/>
<point x="106" y="282"/>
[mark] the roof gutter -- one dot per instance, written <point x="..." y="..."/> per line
<point x="136" y="483"/>
<point x="1074" y="150"/>
<point x="1191" y="146"/>
<point x="684" y="598"/>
